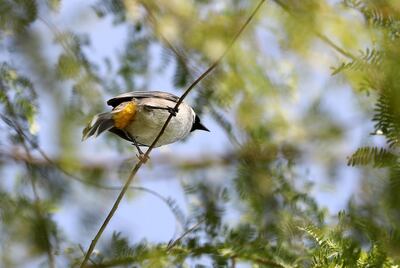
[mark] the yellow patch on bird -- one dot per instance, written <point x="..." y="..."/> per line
<point x="124" y="115"/>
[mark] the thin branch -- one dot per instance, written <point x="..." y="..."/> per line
<point x="334" y="46"/>
<point x="264" y="262"/>
<point x="152" y="19"/>
<point x="66" y="46"/>
<point x="182" y="60"/>
<point x="209" y="250"/>
<point x="178" y="161"/>
<point x="26" y="139"/>
<point x="321" y="36"/>
<point x="146" y="155"/>
<point x="31" y="161"/>
<point x="206" y="249"/>
<point x="178" y="217"/>
<point x="83" y="252"/>
<point x="176" y="241"/>
<point x="233" y="259"/>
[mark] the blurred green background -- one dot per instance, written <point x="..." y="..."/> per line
<point x="301" y="168"/>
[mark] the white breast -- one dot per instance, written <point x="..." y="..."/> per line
<point x="148" y="122"/>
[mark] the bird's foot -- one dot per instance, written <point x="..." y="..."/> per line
<point x="173" y="110"/>
<point x="143" y="157"/>
<point x="137" y="148"/>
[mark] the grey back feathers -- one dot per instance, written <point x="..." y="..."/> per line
<point x="114" y="102"/>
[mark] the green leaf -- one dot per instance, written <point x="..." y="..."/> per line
<point x="377" y="157"/>
<point x="16" y="15"/>
<point x="68" y="66"/>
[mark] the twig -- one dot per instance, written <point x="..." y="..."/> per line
<point x="30" y="161"/>
<point x="83" y="252"/>
<point x="206" y="249"/>
<point x="334" y="46"/>
<point x="176" y="241"/>
<point x="67" y="47"/>
<point x="114" y="188"/>
<point x="266" y="262"/>
<point x="182" y="60"/>
<point x="146" y="155"/>
<point x="317" y="33"/>
<point x="179" y="161"/>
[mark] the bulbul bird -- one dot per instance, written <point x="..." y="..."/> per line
<point x="138" y="117"/>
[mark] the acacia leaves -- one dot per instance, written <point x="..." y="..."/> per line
<point x="19" y="100"/>
<point x="16" y="15"/>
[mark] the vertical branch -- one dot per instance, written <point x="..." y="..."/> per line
<point x="146" y="155"/>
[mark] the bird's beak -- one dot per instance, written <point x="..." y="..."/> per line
<point x="200" y="126"/>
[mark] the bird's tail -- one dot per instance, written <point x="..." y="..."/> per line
<point x="99" y="124"/>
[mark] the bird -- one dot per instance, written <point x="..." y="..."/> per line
<point x="138" y="117"/>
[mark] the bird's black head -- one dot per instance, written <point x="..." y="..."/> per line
<point x="198" y="125"/>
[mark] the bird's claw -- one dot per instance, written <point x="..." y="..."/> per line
<point x="137" y="148"/>
<point x="143" y="157"/>
<point x="173" y="110"/>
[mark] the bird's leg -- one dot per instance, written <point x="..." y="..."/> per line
<point x="137" y="146"/>
<point x="141" y="155"/>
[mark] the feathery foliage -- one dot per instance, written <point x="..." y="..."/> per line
<point x="377" y="157"/>
<point x="334" y="249"/>
<point x="386" y="116"/>
<point x="370" y="58"/>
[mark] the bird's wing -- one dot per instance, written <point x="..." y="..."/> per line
<point x="141" y="95"/>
